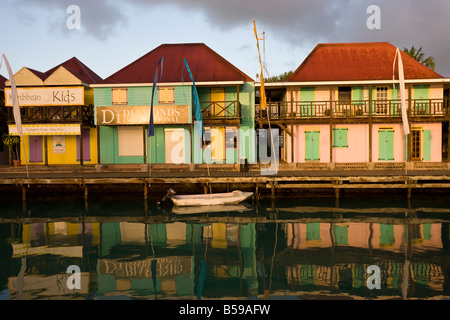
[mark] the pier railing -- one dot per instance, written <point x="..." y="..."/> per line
<point x="220" y="110"/>
<point x="355" y="109"/>
<point x="54" y="114"/>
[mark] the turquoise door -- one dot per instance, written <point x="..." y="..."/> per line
<point x="421" y="102"/>
<point x="312" y="145"/>
<point x="386" y="145"/>
<point x="306" y="102"/>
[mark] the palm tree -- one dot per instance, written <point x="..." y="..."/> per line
<point x="419" y="55"/>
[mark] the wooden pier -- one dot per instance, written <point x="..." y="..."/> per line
<point x="153" y="182"/>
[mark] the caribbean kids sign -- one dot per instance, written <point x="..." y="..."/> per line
<point x="163" y="114"/>
<point x="58" y="96"/>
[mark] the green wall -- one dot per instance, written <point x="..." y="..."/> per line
<point x="140" y="96"/>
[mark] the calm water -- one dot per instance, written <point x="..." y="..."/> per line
<point x="268" y="250"/>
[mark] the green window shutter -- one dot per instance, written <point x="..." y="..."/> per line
<point x="386" y="234"/>
<point x="421" y="91"/>
<point x="386" y="145"/>
<point x="358" y="95"/>
<point x="313" y="231"/>
<point x="395" y="104"/>
<point x="312" y="145"/>
<point x="307" y="96"/>
<point x="421" y="95"/>
<point x="405" y="148"/>
<point x="340" y="235"/>
<point x="340" y="138"/>
<point x="427" y="145"/>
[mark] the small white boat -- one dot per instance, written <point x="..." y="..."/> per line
<point x="221" y="208"/>
<point x="210" y="199"/>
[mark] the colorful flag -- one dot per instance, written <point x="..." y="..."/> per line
<point x="401" y="77"/>
<point x="263" y="102"/>
<point x="198" y="111"/>
<point x="156" y="78"/>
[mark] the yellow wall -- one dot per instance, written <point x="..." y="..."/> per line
<point x="70" y="155"/>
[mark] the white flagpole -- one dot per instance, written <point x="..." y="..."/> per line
<point x="16" y="108"/>
<point x="401" y="77"/>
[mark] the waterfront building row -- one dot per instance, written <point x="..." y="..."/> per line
<point x="341" y="105"/>
<point x="179" y="249"/>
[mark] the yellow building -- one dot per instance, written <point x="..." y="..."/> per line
<point x="57" y="114"/>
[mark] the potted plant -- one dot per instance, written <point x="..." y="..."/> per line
<point x="13" y="144"/>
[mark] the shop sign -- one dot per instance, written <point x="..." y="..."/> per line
<point x="47" y="129"/>
<point x="162" y="114"/>
<point x="55" y="96"/>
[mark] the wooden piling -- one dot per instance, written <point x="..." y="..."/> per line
<point x="24" y="193"/>
<point x="145" y="191"/>
<point x="85" y="192"/>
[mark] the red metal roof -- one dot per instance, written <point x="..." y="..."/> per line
<point x="204" y="63"/>
<point x="358" y="61"/>
<point x="2" y="81"/>
<point x="40" y="75"/>
<point x="79" y="70"/>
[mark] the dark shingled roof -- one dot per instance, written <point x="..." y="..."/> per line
<point x="204" y="63"/>
<point x="79" y="70"/>
<point x="358" y="61"/>
<point x="2" y="81"/>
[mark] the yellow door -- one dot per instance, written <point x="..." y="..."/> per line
<point x="218" y="99"/>
<point x="218" y="144"/>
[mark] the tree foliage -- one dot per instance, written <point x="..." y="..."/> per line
<point x="282" y="77"/>
<point x="419" y="55"/>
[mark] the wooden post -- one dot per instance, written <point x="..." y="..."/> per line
<point x="81" y="148"/>
<point x="98" y="145"/>
<point x="272" y="186"/>
<point x="24" y="193"/>
<point x="292" y="126"/>
<point x="45" y="151"/>
<point x="409" y="146"/>
<point x="205" y="188"/>
<point x="145" y="191"/>
<point x="370" y="125"/>
<point x="331" y="125"/>
<point x="144" y="143"/>
<point x="85" y="192"/>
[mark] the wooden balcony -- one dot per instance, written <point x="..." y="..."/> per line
<point x="55" y="114"/>
<point x="354" y="111"/>
<point x="221" y="112"/>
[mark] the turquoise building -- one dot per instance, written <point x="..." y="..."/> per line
<point x="123" y="102"/>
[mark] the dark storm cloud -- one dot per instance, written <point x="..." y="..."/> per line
<point x="295" y="23"/>
<point x="99" y="18"/>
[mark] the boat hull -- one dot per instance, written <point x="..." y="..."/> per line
<point x="213" y="199"/>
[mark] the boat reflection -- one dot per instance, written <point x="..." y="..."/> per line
<point x="257" y="253"/>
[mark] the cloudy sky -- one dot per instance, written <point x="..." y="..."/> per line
<point x="113" y="33"/>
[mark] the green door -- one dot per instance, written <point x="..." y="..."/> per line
<point x="306" y="102"/>
<point x="312" y="143"/>
<point x="386" y="145"/>
<point x="421" y="102"/>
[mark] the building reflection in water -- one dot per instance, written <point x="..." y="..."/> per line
<point x="213" y="260"/>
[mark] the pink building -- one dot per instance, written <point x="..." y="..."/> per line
<point x="342" y="105"/>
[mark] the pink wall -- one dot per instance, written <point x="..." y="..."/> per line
<point x="358" y="142"/>
<point x="359" y="237"/>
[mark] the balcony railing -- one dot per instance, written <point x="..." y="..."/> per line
<point x="220" y="110"/>
<point x="54" y="114"/>
<point x="356" y="109"/>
